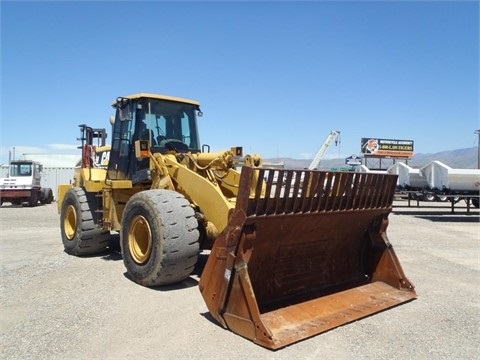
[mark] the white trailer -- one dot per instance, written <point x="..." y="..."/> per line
<point x="408" y="177"/>
<point x="443" y="178"/>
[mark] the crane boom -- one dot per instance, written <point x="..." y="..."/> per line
<point x="333" y="136"/>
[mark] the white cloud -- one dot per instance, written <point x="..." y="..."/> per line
<point x="54" y="160"/>
<point x="63" y="147"/>
<point x="305" y="155"/>
<point x="19" y="152"/>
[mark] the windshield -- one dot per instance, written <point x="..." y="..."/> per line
<point x="21" y="169"/>
<point x="168" y="125"/>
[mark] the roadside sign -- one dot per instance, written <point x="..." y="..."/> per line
<point x="353" y="160"/>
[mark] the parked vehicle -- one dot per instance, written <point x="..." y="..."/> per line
<point x="22" y="184"/>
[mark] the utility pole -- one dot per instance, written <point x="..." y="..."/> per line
<point x="478" y="146"/>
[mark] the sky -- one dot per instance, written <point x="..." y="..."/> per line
<point x="275" y="77"/>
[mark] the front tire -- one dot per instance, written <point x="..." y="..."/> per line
<point x="159" y="237"/>
<point x="81" y="234"/>
<point x="33" y="201"/>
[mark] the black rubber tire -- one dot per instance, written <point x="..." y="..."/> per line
<point x="34" y="197"/>
<point x="47" y="196"/>
<point x="442" y="198"/>
<point x="476" y="202"/>
<point x="429" y="197"/>
<point x="81" y="234"/>
<point x="159" y="237"/>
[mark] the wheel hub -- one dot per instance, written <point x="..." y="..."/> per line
<point x="70" y="222"/>
<point x="140" y="240"/>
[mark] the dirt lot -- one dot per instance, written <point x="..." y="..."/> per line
<point x="56" y="306"/>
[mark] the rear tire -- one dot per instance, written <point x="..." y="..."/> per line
<point x="429" y="197"/>
<point x="159" y="237"/>
<point x="47" y="196"/>
<point x="476" y="202"/>
<point x="81" y="234"/>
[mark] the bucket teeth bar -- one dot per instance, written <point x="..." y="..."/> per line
<point x="304" y="251"/>
<point x="303" y="191"/>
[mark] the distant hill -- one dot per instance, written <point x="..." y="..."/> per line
<point x="457" y="159"/>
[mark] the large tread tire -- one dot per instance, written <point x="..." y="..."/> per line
<point x="159" y="238"/>
<point x="81" y="234"/>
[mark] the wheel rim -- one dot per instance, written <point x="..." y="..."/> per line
<point x="140" y="240"/>
<point x="70" y="222"/>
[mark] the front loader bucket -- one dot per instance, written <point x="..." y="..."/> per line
<point x="304" y="255"/>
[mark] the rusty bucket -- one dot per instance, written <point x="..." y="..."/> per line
<point x="304" y="252"/>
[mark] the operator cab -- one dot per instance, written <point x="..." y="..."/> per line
<point x="162" y="123"/>
<point x="23" y="168"/>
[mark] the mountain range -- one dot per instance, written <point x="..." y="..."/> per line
<point x="467" y="158"/>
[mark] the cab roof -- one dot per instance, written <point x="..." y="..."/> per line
<point x="161" y="97"/>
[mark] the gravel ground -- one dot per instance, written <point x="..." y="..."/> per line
<point x="56" y="306"/>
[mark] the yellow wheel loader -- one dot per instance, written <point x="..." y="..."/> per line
<point x="291" y="253"/>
